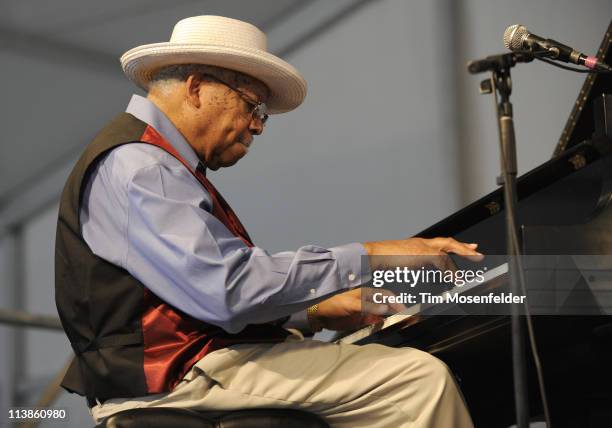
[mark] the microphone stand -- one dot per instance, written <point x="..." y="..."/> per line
<point x="501" y="82"/>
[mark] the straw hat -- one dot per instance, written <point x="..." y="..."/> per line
<point x="222" y="42"/>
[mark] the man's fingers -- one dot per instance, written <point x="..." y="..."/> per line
<point x="353" y="305"/>
<point x="450" y="245"/>
<point x="397" y="307"/>
<point x="448" y="263"/>
<point x="442" y="261"/>
<point x="368" y="306"/>
<point x="375" y="308"/>
<point x="368" y="319"/>
<point x="389" y="307"/>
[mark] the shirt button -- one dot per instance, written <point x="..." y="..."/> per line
<point x="313" y="291"/>
<point x="351" y="276"/>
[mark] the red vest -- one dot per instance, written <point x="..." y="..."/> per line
<point x="127" y="341"/>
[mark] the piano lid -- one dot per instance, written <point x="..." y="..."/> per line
<point x="579" y="126"/>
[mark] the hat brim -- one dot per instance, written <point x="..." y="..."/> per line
<point x="287" y="86"/>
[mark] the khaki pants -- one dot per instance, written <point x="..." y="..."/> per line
<point x="349" y="386"/>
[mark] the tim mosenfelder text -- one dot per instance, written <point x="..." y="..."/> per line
<point x="458" y="278"/>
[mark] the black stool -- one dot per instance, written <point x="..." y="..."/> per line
<point x="165" y="417"/>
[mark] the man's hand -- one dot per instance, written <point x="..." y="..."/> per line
<point x="343" y="312"/>
<point x="415" y="252"/>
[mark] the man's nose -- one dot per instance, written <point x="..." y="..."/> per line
<point x="256" y="127"/>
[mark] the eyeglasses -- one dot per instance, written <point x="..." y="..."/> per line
<point x="259" y="110"/>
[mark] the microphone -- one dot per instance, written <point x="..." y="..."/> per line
<point x="517" y="37"/>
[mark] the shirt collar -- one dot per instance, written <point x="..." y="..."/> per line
<point x="145" y="110"/>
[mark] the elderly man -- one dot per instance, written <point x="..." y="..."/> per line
<point x="166" y="300"/>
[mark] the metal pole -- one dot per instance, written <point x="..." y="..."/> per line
<point x="507" y="139"/>
<point x="24" y="319"/>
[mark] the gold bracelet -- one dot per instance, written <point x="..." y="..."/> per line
<point x="311" y="314"/>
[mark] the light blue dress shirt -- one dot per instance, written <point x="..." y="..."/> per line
<point x="142" y="210"/>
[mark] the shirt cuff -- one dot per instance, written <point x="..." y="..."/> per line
<point x="353" y="264"/>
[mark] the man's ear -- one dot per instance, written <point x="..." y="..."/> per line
<point x="194" y="87"/>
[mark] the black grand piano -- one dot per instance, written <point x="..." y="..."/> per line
<point x="565" y="207"/>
